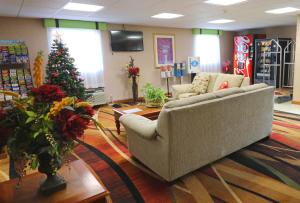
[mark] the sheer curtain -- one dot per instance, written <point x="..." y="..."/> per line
<point x="208" y="48"/>
<point x="86" y="48"/>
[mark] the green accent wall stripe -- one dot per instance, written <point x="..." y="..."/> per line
<point x="200" y="31"/>
<point x="76" y="24"/>
<point x="49" y="23"/>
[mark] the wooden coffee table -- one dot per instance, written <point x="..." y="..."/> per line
<point x="83" y="185"/>
<point x="151" y="113"/>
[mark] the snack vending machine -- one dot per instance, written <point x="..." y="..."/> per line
<point x="15" y="72"/>
<point x="243" y="59"/>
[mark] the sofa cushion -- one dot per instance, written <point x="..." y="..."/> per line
<point x="253" y="87"/>
<point x="186" y="95"/>
<point x="190" y="100"/>
<point x="200" y="83"/>
<point x="246" y="82"/>
<point x="212" y="81"/>
<point x="227" y="92"/>
<point x="233" y="80"/>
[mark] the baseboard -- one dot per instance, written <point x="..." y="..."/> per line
<point x="296" y="102"/>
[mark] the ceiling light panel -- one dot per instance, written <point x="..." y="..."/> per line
<point x="224" y="2"/>
<point x="283" y="10"/>
<point x="167" y="16"/>
<point x="221" y="21"/>
<point x="82" y="7"/>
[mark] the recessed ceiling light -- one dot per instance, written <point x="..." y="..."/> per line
<point x="221" y="21"/>
<point x="82" y="7"/>
<point x="167" y="15"/>
<point x="224" y="2"/>
<point x="283" y="10"/>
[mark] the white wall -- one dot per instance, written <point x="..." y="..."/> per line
<point x="116" y="81"/>
<point x="296" y="98"/>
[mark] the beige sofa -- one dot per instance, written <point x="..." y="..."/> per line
<point x="195" y="131"/>
<point x="215" y="79"/>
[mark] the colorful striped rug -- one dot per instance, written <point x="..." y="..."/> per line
<point x="267" y="171"/>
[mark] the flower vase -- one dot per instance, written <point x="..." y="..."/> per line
<point x="134" y="90"/>
<point x="48" y="165"/>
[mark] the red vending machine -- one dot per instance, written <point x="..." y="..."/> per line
<point x="243" y="59"/>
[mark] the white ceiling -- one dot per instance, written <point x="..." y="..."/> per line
<point x="196" y="13"/>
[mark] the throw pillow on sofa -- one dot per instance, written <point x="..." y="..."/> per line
<point x="200" y="83"/>
<point x="224" y="85"/>
<point x="233" y="80"/>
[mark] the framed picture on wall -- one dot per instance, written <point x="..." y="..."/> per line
<point x="164" y="49"/>
<point x="194" y="64"/>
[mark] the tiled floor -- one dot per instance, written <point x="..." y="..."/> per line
<point x="288" y="107"/>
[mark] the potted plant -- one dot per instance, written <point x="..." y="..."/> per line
<point x="40" y="131"/>
<point x="154" y="97"/>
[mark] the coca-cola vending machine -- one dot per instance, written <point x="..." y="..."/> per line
<point x="243" y="55"/>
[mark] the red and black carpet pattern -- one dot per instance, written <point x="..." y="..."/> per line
<point x="267" y="171"/>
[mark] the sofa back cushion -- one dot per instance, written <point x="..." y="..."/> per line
<point x="227" y="92"/>
<point x="253" y="87"/>
<point x="233" y="80"/>
<point x="200" y="83"/>
<point x="190" y="100"/>
<point x="212" y="81"/>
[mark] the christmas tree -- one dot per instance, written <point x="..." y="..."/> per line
<point x="62" y="72"/>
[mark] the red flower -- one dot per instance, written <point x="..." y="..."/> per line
<point x="48" y="93"/>
<point x="89" y="110"/>
<point x="71" y="125"/>
<point x="133" y="71"/>
<point x="55" y="74"/>
<point x="3" y="114"/>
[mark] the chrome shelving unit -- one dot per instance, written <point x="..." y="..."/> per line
<point x="274" y="62"/>
<point x="288" y="65"/>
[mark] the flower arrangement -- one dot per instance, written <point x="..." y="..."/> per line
<point x="133" y="73"/>
<point x="132" y="70"/>
<point x="41" y="129"/>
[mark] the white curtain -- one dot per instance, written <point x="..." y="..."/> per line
<point x="86" y="48"/>
<point x="208" y="48"/>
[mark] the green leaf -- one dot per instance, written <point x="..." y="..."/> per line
<point x="34" y="163"/>
<point x="30" y="113"/>
<point x="29" y="120"/>
<point x="37" y="133"/>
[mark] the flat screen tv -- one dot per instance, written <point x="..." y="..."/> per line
<point x="122" y="40"/>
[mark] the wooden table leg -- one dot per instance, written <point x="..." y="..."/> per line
<point x="117" y="121"/>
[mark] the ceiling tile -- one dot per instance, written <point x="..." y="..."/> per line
<point x="196" y="13"/>
<point x="53" y="4"/>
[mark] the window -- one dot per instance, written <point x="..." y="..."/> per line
<point x="208" y="48"/>
<point x="86" y="48"/>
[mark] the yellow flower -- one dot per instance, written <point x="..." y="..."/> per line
<point x="13" y="94"/>
<point x="58" y="106"/>
<point x="19" y="105"/>
<point x="82" y="104"/>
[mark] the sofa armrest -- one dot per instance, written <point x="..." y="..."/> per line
<point x="180" y="89"/>
<point x="142" y="126"/>
<point x="246" y="82"/>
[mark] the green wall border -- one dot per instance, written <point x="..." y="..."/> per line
<point x="75" y="24"/>
<point x="200" y="31"/>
